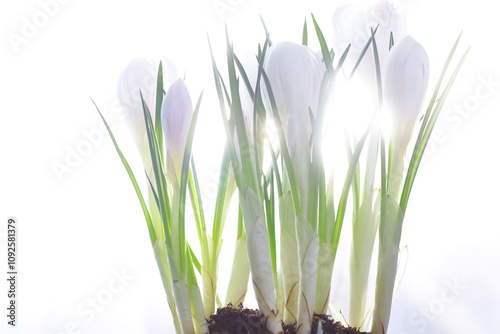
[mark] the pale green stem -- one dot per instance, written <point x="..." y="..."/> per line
<point x="371" y="160"/>
<point x="308" y="242"/>
<point x="397" y="170"/>
<point x="211" y="265"/>
<point x="391" y="218"/>
<point x="174" y="225"/>
<point x="365" y="224"/>
<point x="197" y="310"/>
<point x="259" y="257"/>
<point x="182" y="295"/>
<point x="162" y="261"/>
<point x="209" y="279"/>
<point x="289" y="258"/>
<point x="155" y="215"/>
<point x="326" y="259"/>
<point x="238" y="284"/>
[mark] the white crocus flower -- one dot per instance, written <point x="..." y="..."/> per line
<point x="405" y="84"/>
<point x="295" y="73"/>
<point x="176" y="114"/>
<point x="140" y="76"/>
<point x="352" y="24"/>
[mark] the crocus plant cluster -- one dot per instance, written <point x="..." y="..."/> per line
<point x="290" y="221"/>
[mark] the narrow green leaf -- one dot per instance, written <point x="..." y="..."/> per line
<point x="244" y="76"/>
<point x="265" y="28"/>
<point x="325" y="231"/>
<point x="247" y="163"/>
<point x="321" y="195"/>
<point x="275" y="168"/>
<point x="356" y="179"/>
<point x="361" y="56"/>
<point x="406" y="188"/>
<point x="377" y="70"/>
<point x="415" y="162"/>
<point x="284" y="148"/>
<point x="229" y="133"/>
<point x="196" y="203"/>
<point x="241" y="230"/>
<point x="328" y="59"/>
<point x="220" y="203"/>
<point x="183" y="183"/>
<point x="161" y="183"/>
<point x="269" y="201"/>
<point x="152" y="234"/>
<point x="159" y="101"/>
<point x="345" y="190"/>
<point x="194" y="259"/>
<point x="304" y="33"/>
<point x="342" y="59"/>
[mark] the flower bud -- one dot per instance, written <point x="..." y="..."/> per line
<point x="295" y="73"/>
<point x="405" y="84"/>
<point x="176" y="114"/>
<point x="140" y="76"/>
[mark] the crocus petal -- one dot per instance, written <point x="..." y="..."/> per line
<point x="140" y="76"/>
<point x="176" y="114"/>
<point x="295" y="73"/>
<point x="405" y="84"/>
<point x="352" y="24"/>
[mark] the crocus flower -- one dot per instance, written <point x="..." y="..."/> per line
<point x="295" y="73"/>
<point x="176" y="114"/>
<point x="405" y="84"/>
<point x="140" y="76"/>
<point x="352" y="24"/>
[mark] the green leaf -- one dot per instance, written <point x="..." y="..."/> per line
<point x="356" y="179"/>
<point x="342" y="59"/>
<point x="265" y="28"/>
<point x="365" y="225"/>
<point x="161" y="183"/>
<point x="152" y="234"/>
<point x="269" y="204"/>
<point x="421" y="145"/>
<point x="377" y="70"/>
<point x="304" y="33"/>
<point x="284" y="148"/>
<point x="345" y="190"/>
<point x="159" y="101"/>
<point x="183" y="183"/>
<point x="196" y="202"/>
<point x="229" y="133"/>
<point x="328" y="59"/>
<point x="361" y="56"/>
<point x="194" y="259"/>
<point x="241" y="230"/>
<point x="247" y="163"/>
<point x="220" y="203"/>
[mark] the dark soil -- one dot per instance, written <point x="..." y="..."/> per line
<point x="239" y="320"/>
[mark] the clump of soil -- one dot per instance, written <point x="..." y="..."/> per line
<point x="239" y="320"/>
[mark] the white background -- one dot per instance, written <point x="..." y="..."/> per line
<point x="78" y="228"/>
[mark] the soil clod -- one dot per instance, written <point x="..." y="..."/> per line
<point x="239" y="320"/>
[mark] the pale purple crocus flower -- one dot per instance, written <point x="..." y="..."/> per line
<point x="176" y="115"/>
